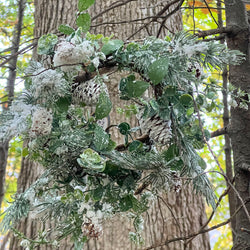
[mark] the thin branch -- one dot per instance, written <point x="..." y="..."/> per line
<point x="193" y="16"/>
<point x="196" y="233"/>
<point x="221" y="30"/>
<point x="245" y="230"/>
<point x="189" y="236"/>
<point x="218" y="132"/>
<point x="159" y="15"/>
<point x="211" y="14"/>
<point x="202" y="7"/>
<point x="217" y="38"/>
<point x="171" y="211"/>
<point x="24" y="50"/>
<point x="218" y="163"/>
<point x="213" y="212"/>
<point x="112" y="6"/>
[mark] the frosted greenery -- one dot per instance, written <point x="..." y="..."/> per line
<point x="87" y="178"/>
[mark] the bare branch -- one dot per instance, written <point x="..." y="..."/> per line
<point x="24" y="50"/>
<point x="159" y="15"/>
<point x="196" y="233"/>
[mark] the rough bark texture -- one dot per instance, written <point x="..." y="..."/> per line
<point x="179" y="213"/>
<point x="240" y="131"/>
<point x="10" y="90"/>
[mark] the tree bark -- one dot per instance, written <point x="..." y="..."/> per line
<point x="236" y="16"/>
<point x="173" y="215"/>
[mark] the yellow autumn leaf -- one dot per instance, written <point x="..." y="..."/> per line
<point x="247" y="6"/>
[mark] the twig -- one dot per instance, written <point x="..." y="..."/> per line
<point x="245" y="230"/>
<point x="211" y="12"/>
<point x="29" y="47"/>
<point x="193" y="16"/>
<point x="213" y="212"/>
<point x="158" y="15"/>
<point x="166" y="204"/>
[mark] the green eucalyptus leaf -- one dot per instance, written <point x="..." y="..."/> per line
<point x="84" y="21"/>
<point x="211" y="95"/>
<point x="186" y="99"/>
<point x="62" y="104"/>
<point x="124" y="128"/>
<point x="84" y="4"/>
<point x="135" y="145"/>
<point x="46" y="44"/>
<point x="66" y="29"/>
<point x="158" y="70"/>
<point x="111" y="46"/>
<point x="200" y="100"/>
<point x="97" y="194"/>
<point x="112" y="169"/>
<point x="136" y="88"/>
<point x="172" y="152"/>
<point x="126" y="203"/>
<point x="170" y="91"/>
<point x="190" y="111"/>
<point x="111" y="146"/>
<point x="103" y="106"/>
<point x="101" y="139"/>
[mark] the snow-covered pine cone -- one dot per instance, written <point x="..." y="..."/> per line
<point x="41" y="122"/>
<point x="158" y="129"/>
<point x="89" y="92"/>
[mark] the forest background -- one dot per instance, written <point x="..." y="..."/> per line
<point x="198" y="15"/>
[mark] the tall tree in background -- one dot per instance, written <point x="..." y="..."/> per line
<point x="174" y="214"/>
<point x="239" y="130"/>
<point x="12" y="66"/>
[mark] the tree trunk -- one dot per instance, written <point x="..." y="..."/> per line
<point x="236" y="15"/>
<point x="173" y="215"/>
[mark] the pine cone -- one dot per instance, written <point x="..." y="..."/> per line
<point x="157" y="129"/>
<point x="89" y="92"/>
